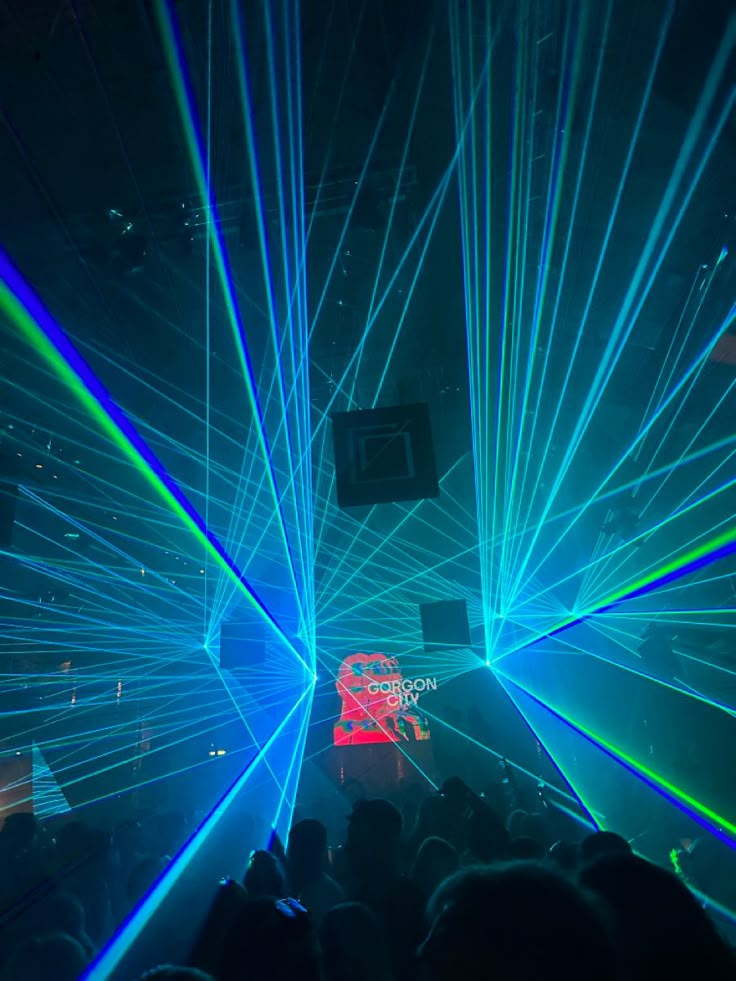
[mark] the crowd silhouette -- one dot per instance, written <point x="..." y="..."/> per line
<point x="452" y="889"/>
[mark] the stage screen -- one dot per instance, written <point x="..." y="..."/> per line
<point x="379" y="705"/>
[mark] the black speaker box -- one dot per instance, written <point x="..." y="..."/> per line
<point x="445" y="625"/>
<point x="384" y="455"/>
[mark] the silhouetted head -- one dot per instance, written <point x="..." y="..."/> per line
<point x="62" y="912"/>
<point x="602" y="843"/>
<point x="374" y="839"/>
<point x="54" y="957"/>
<point x="72" y="841"/>
<point x="435" y="861"/>
<point x="306" y="852"/>
<point x="433" y="819"/>
<point x="513" y="923"/>
<point x="270" y="940"/>
<point x="487" y="839"/>
<point x="661" y="929"/>
<point x="19" y="831"/>
<point x="456" y="792"/>
<point x="94" y="892"/>
<point x="353" y="945"/>
<point x="264" y="876"/>
<point x="172" y="972"/>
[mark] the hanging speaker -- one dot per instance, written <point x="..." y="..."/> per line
<point x="445" y="625"/>
<point x="384" y="455"/>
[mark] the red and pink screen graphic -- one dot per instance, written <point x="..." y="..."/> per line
<point x="378" y="704"/>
